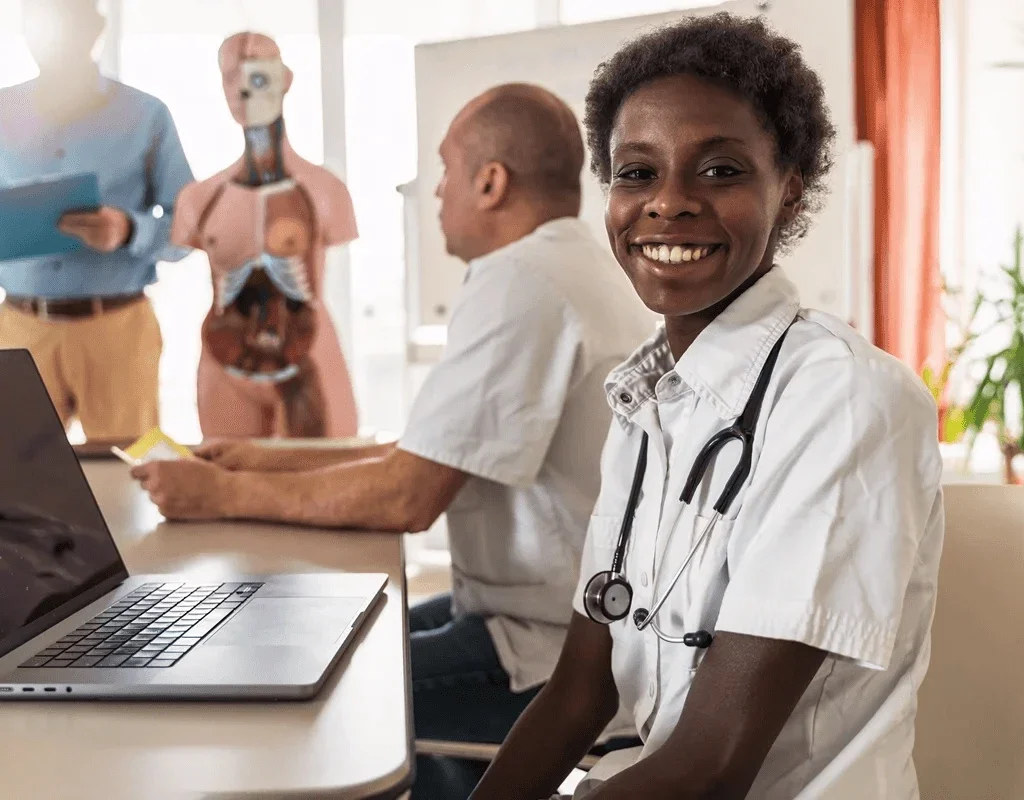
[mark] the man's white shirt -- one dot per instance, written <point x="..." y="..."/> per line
<point x="517" y="401"/>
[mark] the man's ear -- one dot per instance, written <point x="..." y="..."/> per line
<point x="792" y="201"/>
<point x="491" y="185"/>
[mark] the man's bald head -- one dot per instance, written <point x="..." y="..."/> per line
<point x="530" y="131"/>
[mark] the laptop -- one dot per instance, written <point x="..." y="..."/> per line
<point x="75" y="625"/>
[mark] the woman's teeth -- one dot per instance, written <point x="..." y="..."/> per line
<point x="676" y="254"/>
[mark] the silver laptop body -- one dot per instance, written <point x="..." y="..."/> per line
<point x="75" y="625"/>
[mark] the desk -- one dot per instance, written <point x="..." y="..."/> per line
<point x="352" y="741"/>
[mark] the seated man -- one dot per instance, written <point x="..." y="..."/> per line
<point x="505" y="436"/>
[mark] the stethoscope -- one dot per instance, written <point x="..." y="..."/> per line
<point x="608" y="596"/>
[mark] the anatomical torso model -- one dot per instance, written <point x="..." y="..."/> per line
<point x="271" y="363"/>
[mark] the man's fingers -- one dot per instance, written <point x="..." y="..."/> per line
<point x="89" y="220"/>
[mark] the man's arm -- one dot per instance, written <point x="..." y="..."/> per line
<point x="743" y="693"/>
<point x="250" y="457"/>
<point x="562" y="723"/>
<point x="401" y="493"/>
<point x="167" y="173"/>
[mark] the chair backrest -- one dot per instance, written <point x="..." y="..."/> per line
<point x="970" y="721"/>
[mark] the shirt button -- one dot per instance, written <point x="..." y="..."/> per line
<point x="643" y="579"/>
<point x="673" y="380"/>
<point x="626" y="397"/>
<point x="651" y="690"/>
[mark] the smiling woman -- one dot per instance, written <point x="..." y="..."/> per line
<point x="729" y="177"/>
<point x="712" y="138"/>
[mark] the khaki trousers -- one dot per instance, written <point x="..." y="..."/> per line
<point x="102" y="370"/>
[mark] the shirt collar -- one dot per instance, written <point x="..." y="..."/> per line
<point x="722" y="364"/>
<point x="553" y="229"/>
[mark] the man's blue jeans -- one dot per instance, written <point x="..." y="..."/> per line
<point x="460" y="693"/>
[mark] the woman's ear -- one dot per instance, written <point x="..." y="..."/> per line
<point x="792" y="200"/>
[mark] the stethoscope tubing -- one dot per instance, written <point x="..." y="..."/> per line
<point x="652" y="615"/>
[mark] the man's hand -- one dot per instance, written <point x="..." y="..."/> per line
<point x="189" y="489"/>
<point x="236" y="454"/>
<point x="104" y="230"/>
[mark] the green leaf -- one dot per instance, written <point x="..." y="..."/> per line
<point x="954" y="425"/>
<point x="931" y="380"/>
<point x="980" y="406"/>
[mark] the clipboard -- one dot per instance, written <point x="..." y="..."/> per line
<point x="29" y="213"/>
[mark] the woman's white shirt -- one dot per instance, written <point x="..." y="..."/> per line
<point x="834" y="540"/>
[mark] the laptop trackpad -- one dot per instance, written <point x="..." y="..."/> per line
<point x="299" y="621"/>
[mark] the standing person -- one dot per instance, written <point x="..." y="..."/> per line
<point x="83" y="315"/>
<point x="505" y="436"/>
<point x="775" y="652"/>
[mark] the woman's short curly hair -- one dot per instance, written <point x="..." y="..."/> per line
<point x="742" y="54"/>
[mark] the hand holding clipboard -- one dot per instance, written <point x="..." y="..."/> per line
<point x="31" y="212"/>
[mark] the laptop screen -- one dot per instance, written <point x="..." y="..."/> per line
<point x="54" y="544"/>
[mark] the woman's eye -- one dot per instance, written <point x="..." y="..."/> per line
<point x="721" y="171"/>
<point x="634" y="174"/>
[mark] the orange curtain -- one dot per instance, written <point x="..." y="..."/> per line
<point x="898" y="84"/>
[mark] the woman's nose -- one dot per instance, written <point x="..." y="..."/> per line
<point x="674" y="198"/>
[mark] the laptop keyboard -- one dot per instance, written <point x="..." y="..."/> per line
<point x="154" y="626"/>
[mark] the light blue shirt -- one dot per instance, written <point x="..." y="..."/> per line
<point x="132" y="145"/>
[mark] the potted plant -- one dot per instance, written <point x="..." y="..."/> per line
<point x="952" y="415"/>
<point x="997" y="397"/>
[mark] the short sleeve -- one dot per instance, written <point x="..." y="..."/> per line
<point x="840" y="498"/>
<point x="603" y="528"/>
<point x="598" y="551"/>
<point x="492" y="404"/>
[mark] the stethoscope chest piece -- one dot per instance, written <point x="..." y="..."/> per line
<point x="608" y="597"/>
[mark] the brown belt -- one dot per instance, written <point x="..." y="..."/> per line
<point x="82" y="307"/>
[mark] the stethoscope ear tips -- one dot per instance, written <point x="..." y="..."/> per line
<point x="640" y="616"/>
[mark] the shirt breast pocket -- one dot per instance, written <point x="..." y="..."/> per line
<point x="694" y="602"/>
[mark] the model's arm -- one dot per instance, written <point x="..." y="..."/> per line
<point x="561" y="724"/>
<point x="400" y="492"/>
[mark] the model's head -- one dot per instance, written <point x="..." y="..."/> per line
<point x="255" y="78"/>
<point x="713" y="139"/>
<point x="513" y="154"/>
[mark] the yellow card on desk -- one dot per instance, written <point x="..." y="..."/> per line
<point x="154" y="446"/>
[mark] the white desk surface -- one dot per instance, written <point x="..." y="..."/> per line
<point x="352" y="741"/>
